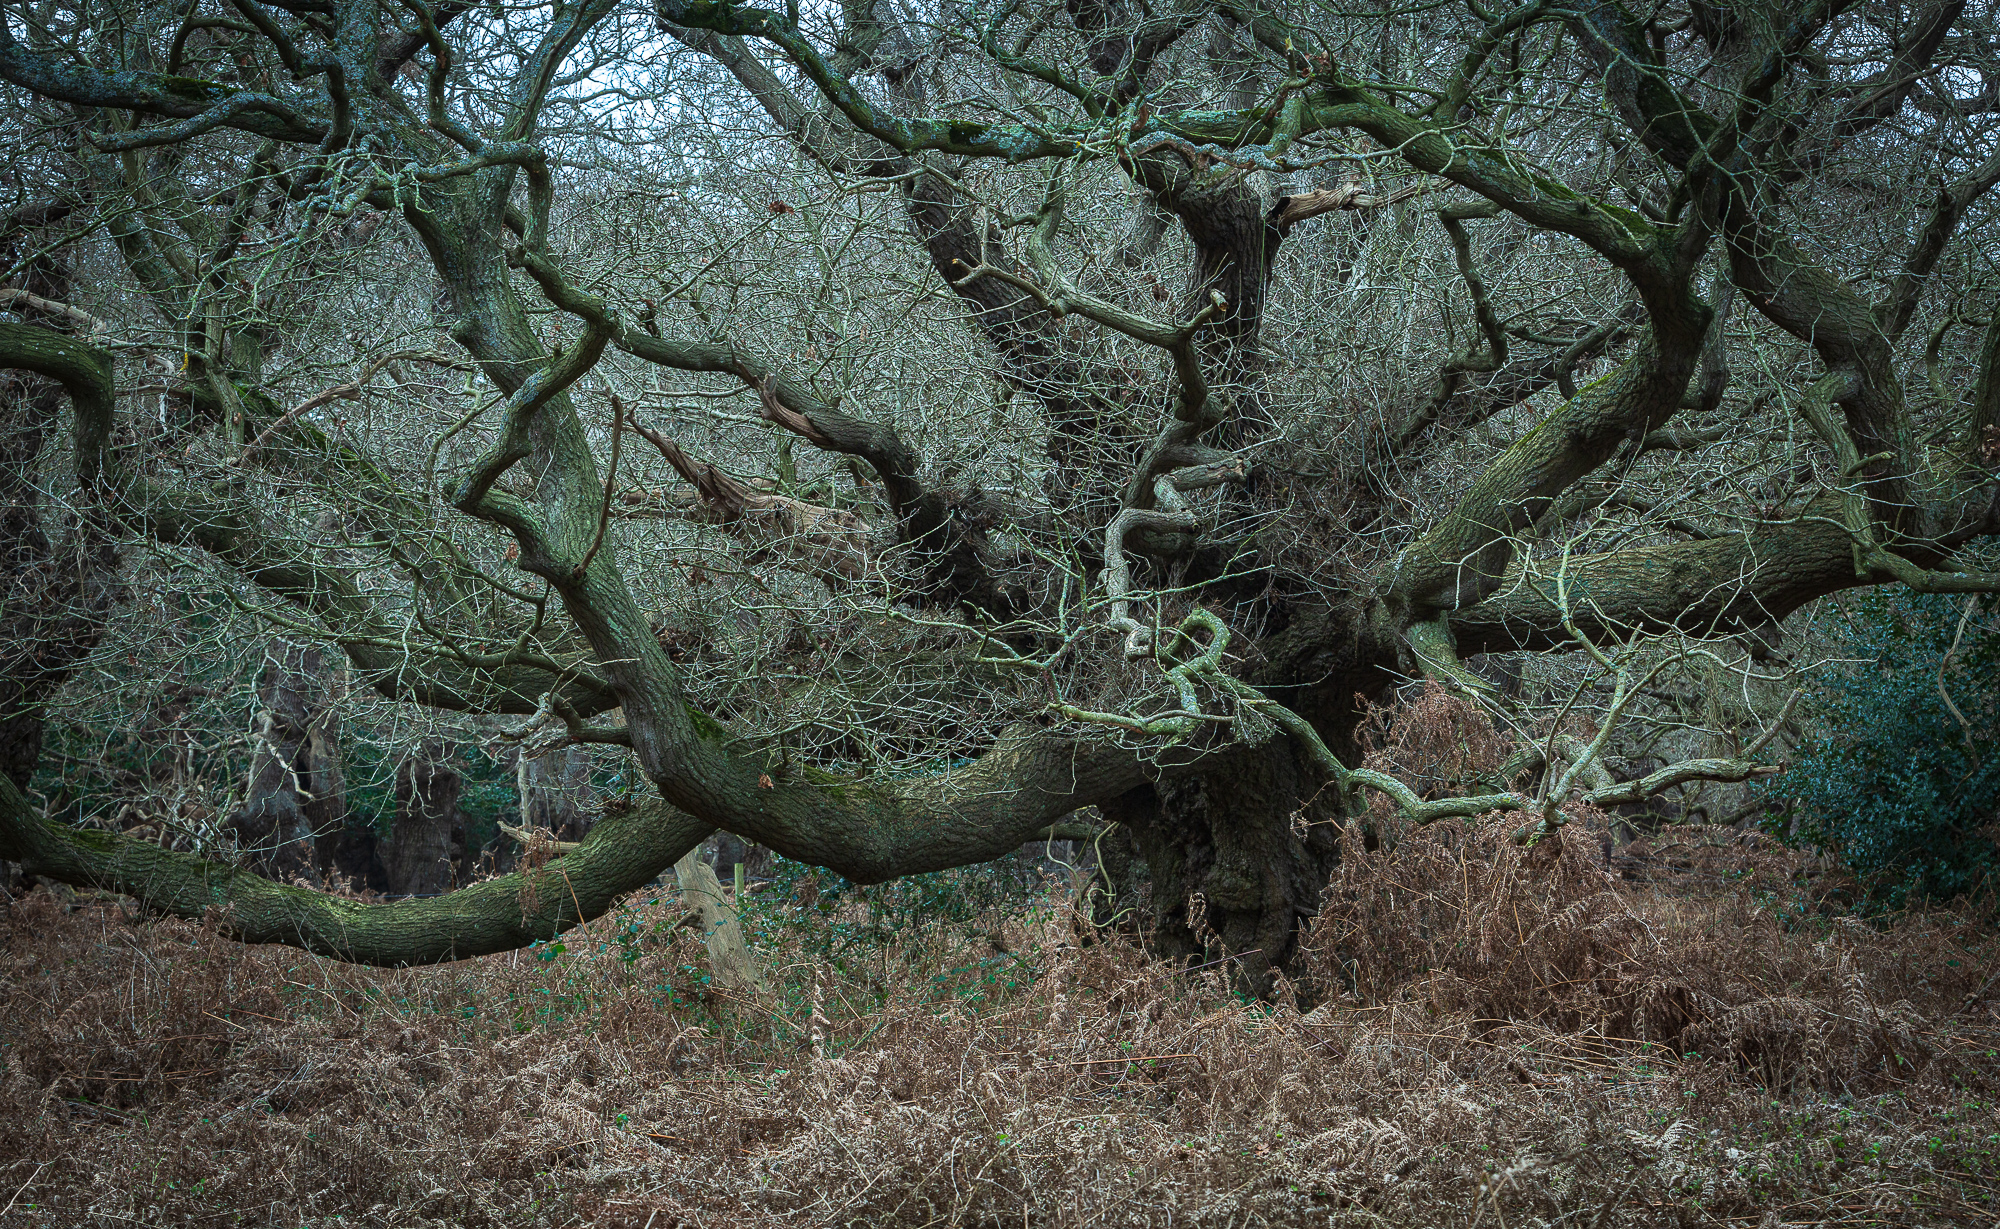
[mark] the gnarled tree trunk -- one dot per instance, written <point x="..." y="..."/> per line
<point x="1235" y="852"/>
<point x="555" y="792"/>
<point x="291" y="819"/>
<point x="428" y="843"/>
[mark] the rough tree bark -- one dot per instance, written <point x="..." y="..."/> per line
<point x="1235" y="854"/>
<point x="427" y="846"/>
<point x="623" y="854"/>
<point x="554" y="789"/>
<point x="295" y="804"/>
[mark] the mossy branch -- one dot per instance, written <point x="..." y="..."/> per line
<point x="622" y="854"/>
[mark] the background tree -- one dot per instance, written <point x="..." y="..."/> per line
<point x="901" y="431"/>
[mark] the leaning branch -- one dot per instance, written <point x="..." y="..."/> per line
<point x="831" y="541"/>
<point x="15" y="300"/>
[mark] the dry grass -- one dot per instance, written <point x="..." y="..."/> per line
<point x="1509" y="1038"/>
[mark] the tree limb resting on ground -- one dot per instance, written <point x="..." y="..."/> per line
<point x="623" y="852"/>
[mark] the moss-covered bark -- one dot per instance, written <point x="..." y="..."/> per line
<point x="622" y="854"/>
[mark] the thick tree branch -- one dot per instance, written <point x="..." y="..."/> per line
<point x="1012" y="142"/>
<point x="1717" y="586"/>
<point x="1881" y="97"/>
<point x="622" y="853"/>
<point x="1899" y="305"/>
<point x="1460" y="560"/>
<point x="201" y="104"/>
<point x="1793" y="291"/>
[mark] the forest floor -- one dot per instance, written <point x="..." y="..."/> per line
<point x="1491" y="1037"/>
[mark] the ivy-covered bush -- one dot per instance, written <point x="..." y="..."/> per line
<point x="1888" y="778"/>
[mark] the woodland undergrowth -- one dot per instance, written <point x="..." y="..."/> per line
<point x="1483" y="1035"/>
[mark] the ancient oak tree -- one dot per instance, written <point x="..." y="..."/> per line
<point x="901" y="430"/>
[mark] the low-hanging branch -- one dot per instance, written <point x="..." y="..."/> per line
<point x="623" y="852"/>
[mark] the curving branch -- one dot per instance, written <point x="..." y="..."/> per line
<point x="1462" y="559"/>
<point x="1853" y="339"/>
<point x="1012" y="142"/>
<point x="204" y="103"/>
<point x="1913" y="54"/>
<point x="955" y="237"/>
<point x="1494" y="356"/>
<point x="232" y="111"/>
<point x="1715" y="586"/>
<point x="951" y="548"/>
<point x="232" y="529"/>
<point x="622" y="853"/>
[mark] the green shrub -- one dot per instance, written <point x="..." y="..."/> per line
<point x="1888" y="779"/>
<point x="810" y="901"/>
